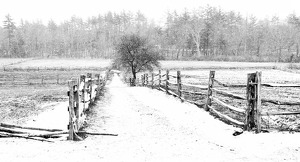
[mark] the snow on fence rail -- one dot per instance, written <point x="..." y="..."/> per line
<point x="252" y="114"/>
<point x="82" y="93"/>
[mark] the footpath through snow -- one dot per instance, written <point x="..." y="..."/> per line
<point x="153" y="126"/>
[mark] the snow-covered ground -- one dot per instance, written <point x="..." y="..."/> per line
<point x="152" y="126"/>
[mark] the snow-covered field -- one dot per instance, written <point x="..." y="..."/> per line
<point x="218" y="65"/>
<point x="63" y="63"/>
<point x="152" y="126"/>
<point x="239" y="76"/>
<point x="11" y="61"/>
<point x="102" y="63"/>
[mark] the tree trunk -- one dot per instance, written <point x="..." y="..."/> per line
<point x="134" y="76"/>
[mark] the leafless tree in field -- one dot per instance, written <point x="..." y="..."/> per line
<point x="135" y="54"/>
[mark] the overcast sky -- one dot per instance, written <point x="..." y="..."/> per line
<point x="59" y="10"/>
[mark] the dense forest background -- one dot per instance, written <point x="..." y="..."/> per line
<point x="206" y="33"/>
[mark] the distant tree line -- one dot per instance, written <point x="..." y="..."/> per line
<point x="206" y="33"/>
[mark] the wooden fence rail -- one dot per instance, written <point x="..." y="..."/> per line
<point x="252" y="114"/>
<point x="82" y="93"/>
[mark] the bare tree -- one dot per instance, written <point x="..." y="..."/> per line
<point x="196" y="26"/>
<point x="135" y="54"/>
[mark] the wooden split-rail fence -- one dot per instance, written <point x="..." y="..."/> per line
<point x="82" y="94"/>
<point x="252" y="115"/>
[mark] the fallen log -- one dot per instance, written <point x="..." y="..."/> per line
<point x="7" y="130"/>
<point x="48" y="135"/>
<point x="22" y="136"/>
<point x="31" y="128"/>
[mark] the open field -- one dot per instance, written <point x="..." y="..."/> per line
<point x="26" y="93"/>
<point x="59" y="64"/>
<point x="19" y="104"/>
<point x="20" y="100"/>
<point x="12" y="61"/>
<point x="31" y="96"/>
<point x="22" y="78"/>
<point x="102" y="63"/>
<point x="193" y="65"/>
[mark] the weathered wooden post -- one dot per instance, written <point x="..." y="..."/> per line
<point x="98" y="84"/>
<point x="258" y="102"/>
<point x="152" y="80"/>
<point x="167" y="81"/>
<point x="159" y="78"/>
<point x="146" y="79"/>
<point x="253" y="112"/>
<point x="179" y="86"/>
<point x="71" y="109"/>
<point x="249" y="120"/>
<point x="77" y="101"/>
<point x="142" y="79"/>
<point x="83" y="96"/>
<point x="209" y="90"/>
<point x="90" y="88"/>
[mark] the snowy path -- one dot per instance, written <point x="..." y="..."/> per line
<point x="155" y="127"/>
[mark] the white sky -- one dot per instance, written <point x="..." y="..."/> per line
<point x="60" y="10"/>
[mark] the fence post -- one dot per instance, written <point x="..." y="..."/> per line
<point x="142" y="79"/>
<point x="90" y="88"/>
<point x="71" y="109"/>
<point x="146" y="79"/>
<point x="77" y="100"/>
<point x="83" y="80"/>
<point x="159" y="78"/>
<point x="167" y="81"/>
<point x="179" y="87"/>
<point x="98" y="83"/>
<point x="209" y="90"/>
<point x="253" y="112"/>
<point x="258" y="102"/>
<point x="152" y="80"/>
